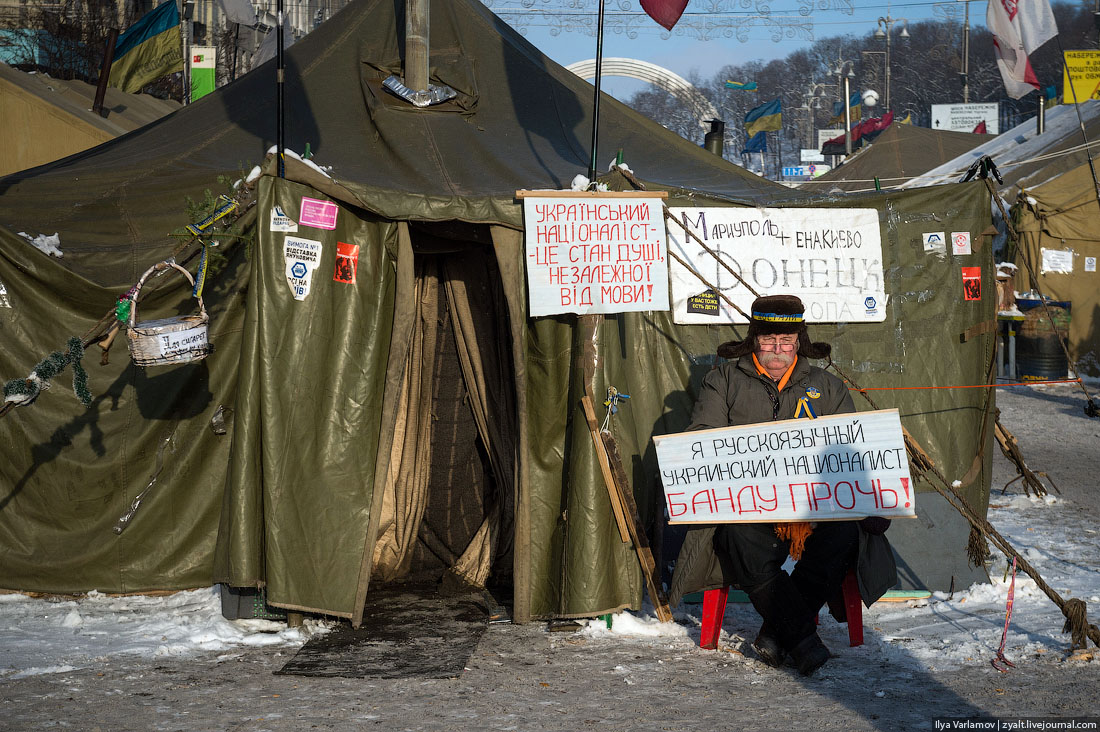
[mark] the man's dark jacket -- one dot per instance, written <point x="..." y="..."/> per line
<point x="735" y="393"/>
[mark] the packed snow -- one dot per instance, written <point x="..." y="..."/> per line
<point x="56" y="635"/>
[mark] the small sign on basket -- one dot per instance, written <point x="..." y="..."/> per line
<point x="178" y="339"/>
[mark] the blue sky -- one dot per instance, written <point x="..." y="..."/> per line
<point x="683" y="52"/>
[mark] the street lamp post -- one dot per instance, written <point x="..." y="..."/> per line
<point x="885" y="25"/>
<point x="844" y="81"/>
<point x="964" y="75"/>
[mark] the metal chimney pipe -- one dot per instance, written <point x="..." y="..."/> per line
<point x="713" y="139"/>
<point x="416" y="44"/>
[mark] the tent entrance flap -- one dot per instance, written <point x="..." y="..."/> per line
<point x="447" y="509"/>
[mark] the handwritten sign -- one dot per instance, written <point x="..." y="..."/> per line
<point x="595" y="254"/>
<point x="838" y="467"/>
<point x="829" y="257"/>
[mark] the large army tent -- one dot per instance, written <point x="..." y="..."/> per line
<point x="47" y="119"/>
<point x="414" y="418"/>
<point x="1049" y="186"/>
<point x="899" y="153"/>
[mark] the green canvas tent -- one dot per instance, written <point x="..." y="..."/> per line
<point x="415" y="418"/>
<point x="899" y="153"/>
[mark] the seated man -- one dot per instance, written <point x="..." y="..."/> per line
<point x="763" y="380"/>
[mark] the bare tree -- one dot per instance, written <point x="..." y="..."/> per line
<point x="64" y="38"/>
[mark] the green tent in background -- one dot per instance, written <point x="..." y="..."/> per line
<point x="408" y="416"/>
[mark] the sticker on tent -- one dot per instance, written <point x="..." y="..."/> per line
<point x="1090" y="264"/>
<point x="347" y="263"/>
<point x="831" y="258"/>
<point x="281" y="222"/>
<point x="302" y="257"/>
<point x="843" y="466"/>
<point x="934" y="241"/>
<point x="318" y="214"/>
<point x="595" y="254"/>
<point x="972" y="283"/>
<point x="960" y="243"/>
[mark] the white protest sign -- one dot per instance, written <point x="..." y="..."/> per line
<point x="837" y="467"/>
<point x="302" y="257"/>
<point x="829" y="257"/>
<point x="600" y="253"/>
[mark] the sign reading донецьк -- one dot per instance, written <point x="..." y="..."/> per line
<point x="837" y="467"/>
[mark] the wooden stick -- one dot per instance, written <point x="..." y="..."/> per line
<point x="637" y="531"/>
<point x="605" y="468"/>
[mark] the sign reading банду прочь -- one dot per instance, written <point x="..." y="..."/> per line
<point x="836" y="467"/>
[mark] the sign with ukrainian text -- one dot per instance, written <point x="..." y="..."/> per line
<point x="829" y="257"/>
<point x="595" y="253"/>
<point x="1080" y="76"/>
<point x="837" y="467"/>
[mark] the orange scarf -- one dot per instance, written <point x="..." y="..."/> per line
<point x="796" y="532"/>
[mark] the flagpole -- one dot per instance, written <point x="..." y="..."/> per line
<point x="279" y="76"/>
<point x="596" y="95"/>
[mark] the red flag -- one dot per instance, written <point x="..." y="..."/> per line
<point x="665" y="12"/>
<point x="980" y="128"/>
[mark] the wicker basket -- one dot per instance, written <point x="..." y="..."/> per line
<point x="179" y="339"/>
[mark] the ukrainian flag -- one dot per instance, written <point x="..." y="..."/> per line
<point x="149" y="49"/>
<point x="763" y="118"/>
<point x="855" y="104"/>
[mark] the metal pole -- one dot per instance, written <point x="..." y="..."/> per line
<point x="847" y="118"/>
<point x="236" y="43"/>
<point x="888" y="66"/>
<point x="280" y="75"/>
<point x="416" y="44"/>
<point x="966" y="56"/>
<point x="105" y="72"/>
<point x="596" y="94"/>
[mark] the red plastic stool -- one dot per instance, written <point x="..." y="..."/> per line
<point x="714" y="609"/>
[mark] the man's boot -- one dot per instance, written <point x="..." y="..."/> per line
<point x="767" y="647"/>
<point x="809" y="654"/>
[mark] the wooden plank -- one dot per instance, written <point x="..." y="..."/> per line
<point x="605" y="468"/>
<point x="637" y="531"/>
<point x="524" y="193"/>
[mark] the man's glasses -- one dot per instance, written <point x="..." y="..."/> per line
<point x="776" y="346"/>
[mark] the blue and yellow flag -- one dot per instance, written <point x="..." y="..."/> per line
<point x="757" y="143"/>
<point x="763" y="118"/>
<point x="856" y="105"/>
<point x="741" y="85"/>
<point x="149" y="49"/>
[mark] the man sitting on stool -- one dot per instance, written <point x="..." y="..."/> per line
<point x="764" y="379"/>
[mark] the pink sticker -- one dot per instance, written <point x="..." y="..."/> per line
<point x="317" y="213"/>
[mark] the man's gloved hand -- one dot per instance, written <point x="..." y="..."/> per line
<point x="874" y="524"/>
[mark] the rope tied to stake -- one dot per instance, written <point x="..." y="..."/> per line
<point x="21" y="392"/>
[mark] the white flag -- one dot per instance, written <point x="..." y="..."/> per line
<point x="239" y="11"/>
<point x="1019" y="27"/>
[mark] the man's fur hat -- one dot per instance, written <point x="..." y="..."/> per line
<point x="774" y="314"/>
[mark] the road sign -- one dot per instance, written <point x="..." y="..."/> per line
<point x="965" y="117"/>
<point x="805" y="171"/>
<point x="1085" y="69"/>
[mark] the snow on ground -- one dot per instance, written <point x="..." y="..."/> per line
<point x="1058" y="537"/>
<point x="946" y="631"/>
<point x="54" y="635"/>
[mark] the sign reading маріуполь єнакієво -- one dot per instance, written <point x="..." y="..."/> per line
<point x="829" y="257"/>
<point x="836" y="467"/>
